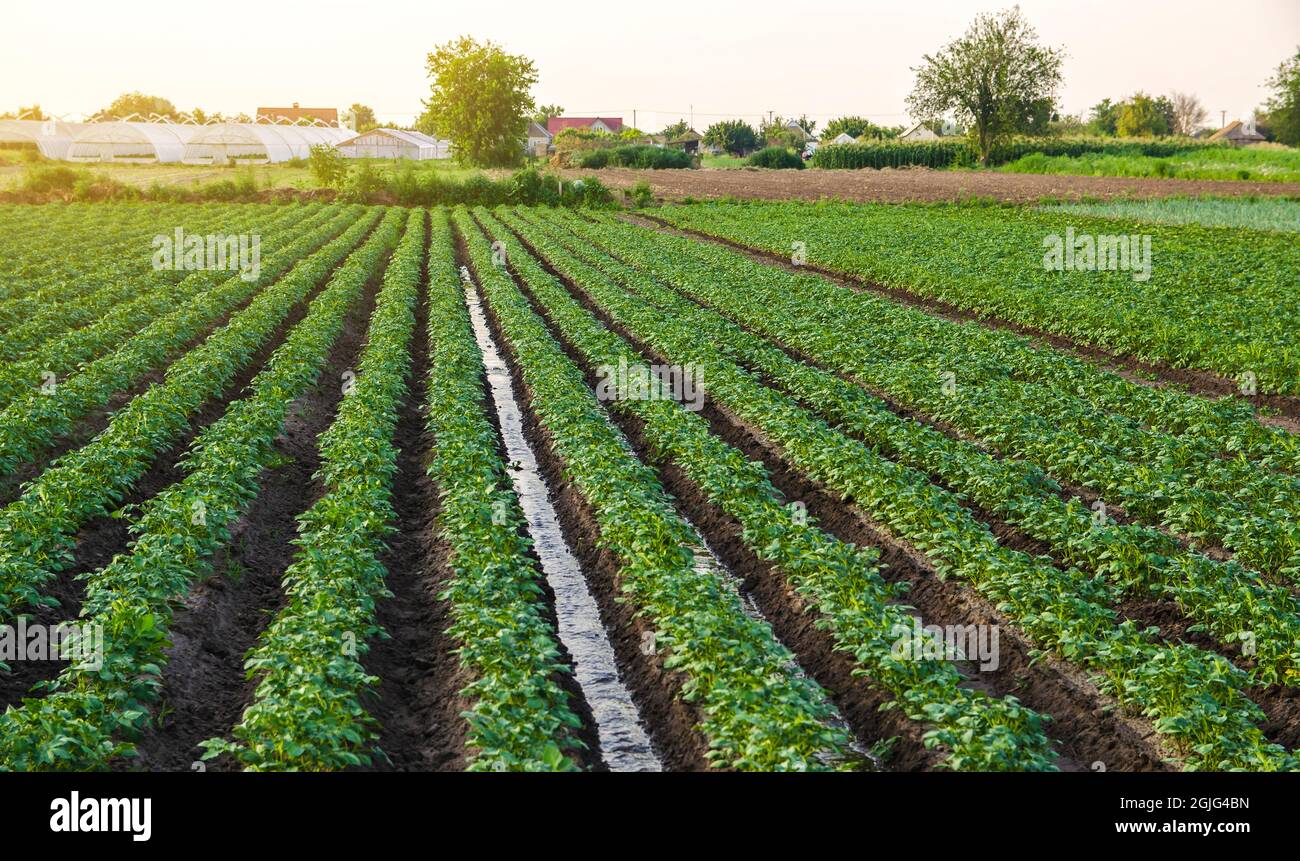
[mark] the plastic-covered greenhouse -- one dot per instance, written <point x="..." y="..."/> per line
<point x="52" y="137"/>
<point x="395" y="143"/>
<point x="132" y="142"/>
<point x="258" y="143"/>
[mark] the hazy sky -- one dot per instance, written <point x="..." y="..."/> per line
<point x="820" y="57"/>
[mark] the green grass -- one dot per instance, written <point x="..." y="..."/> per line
<point x="729" y="161"/>
<point x="1257" y="164"/>
<point x="1268" y="213"/>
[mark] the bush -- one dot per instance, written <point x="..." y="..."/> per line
<point x="777" y="157"/>
<point x="363" y="182"/>
<point x="595" y="159"/>
<point x="407" y="186"/>
<point x="639" y="156"/>
<point x="959" y="153"/>
<point x="888" y="154"/>
<point x="48" y="178"/>
<point x="328" y="166"/>
<point x="641" y="195"/>
<point x="242" y="187"/>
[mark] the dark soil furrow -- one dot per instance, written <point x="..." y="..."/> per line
<point x="670" y="721"/>
<point x="102" y="538"/>
<point x="205" y="686"/>
<point x="417" y="700"/>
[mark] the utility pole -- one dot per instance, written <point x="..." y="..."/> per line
<point x="692" y="116"/>
<point x="634" y="118"/>
<point x="1223" y="118"/>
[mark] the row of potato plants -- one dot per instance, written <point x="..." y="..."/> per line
<point x="91" y="715"/>
<point x="40" y="271"/>
<point x="1195" y="699"/>
<point x="1205" y="428"/>
<point x="307" y="712"/>
<point x="40" y="347"/>
<point x="1226" y="425"/>
<point x="1155" y="477"/>
<point x="520" y="718"/>
<point x="757" y="712"/>
<point x="841" y="581"/>
<point x="38" y="530"/>
<point x="1208" y="302"/>
<point x="131" y="289"/>
<point x="1223" y="598"/>
<point x="1214" y="427"/>
<point x="33" y="421"/>
<point x="107" y="253"/>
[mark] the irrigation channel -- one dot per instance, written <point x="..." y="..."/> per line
<point x="623" y="741"/>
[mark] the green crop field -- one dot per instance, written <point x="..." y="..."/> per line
<point x="817" y="486"/>
<point x="1258" y="164"/>
<point x="1253" y="213"/>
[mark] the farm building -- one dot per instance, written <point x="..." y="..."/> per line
<point x="844" y="138"/>
<point x="258" y="143"/>
<point x="799" y="131"/>
<point x="329" y="116"/>
<point x="51" y="137"/>
<point x="688" y="141"/>
<point x="612" y="125"/>
<point x="394" y="143"/>
<point x="1238" y="133"/>
<point x="131" y="142"/>
<point x="539" y="139"/>
<point x="918" y="132"/>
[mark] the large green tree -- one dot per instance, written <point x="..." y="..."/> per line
<point x="675" y="130"/>
<point x="542" y="113"/>
<point x="138" y="103"/>
<point x="362" y="117"/>
<point x="1142" y="116"/>
<point x="733" y="136"/>
<point x="28" y="113"/>
<point x="1104" y="117"/>
<point x="1283" y="106"/>
<point x="480" y="100"/>
<point x="855" y="127"/>
<point x="776" y="132"/>
<point x="987" y="78"/>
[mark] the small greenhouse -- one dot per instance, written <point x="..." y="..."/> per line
<point x="258" y="143"/>
<point x="130" y="142"/>
<point x="51" y="137"/>
<point x="395" y="143"/>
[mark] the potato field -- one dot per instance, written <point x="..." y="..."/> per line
<point x="770" y="486"/>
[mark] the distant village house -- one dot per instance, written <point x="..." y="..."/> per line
<point x="1238" y="133"/>
<point x="296" y="114"/>
<point x="612" y="125"/>
<point x="689" y="141"/>
<point x="539" y="139"/>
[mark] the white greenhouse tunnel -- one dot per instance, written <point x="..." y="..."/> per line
<point x="131" y="142"/>
<point x="52" y="137"/>
<point x="257" y="143"/>
<point x="139" y="142"/>
<point x="395" y="143"/>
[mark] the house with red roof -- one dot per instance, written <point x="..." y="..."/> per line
<point x="613" y="125"/>
<point x="298" y="114"/>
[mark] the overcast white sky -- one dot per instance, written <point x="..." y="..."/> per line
<point x="821" y="57"/>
